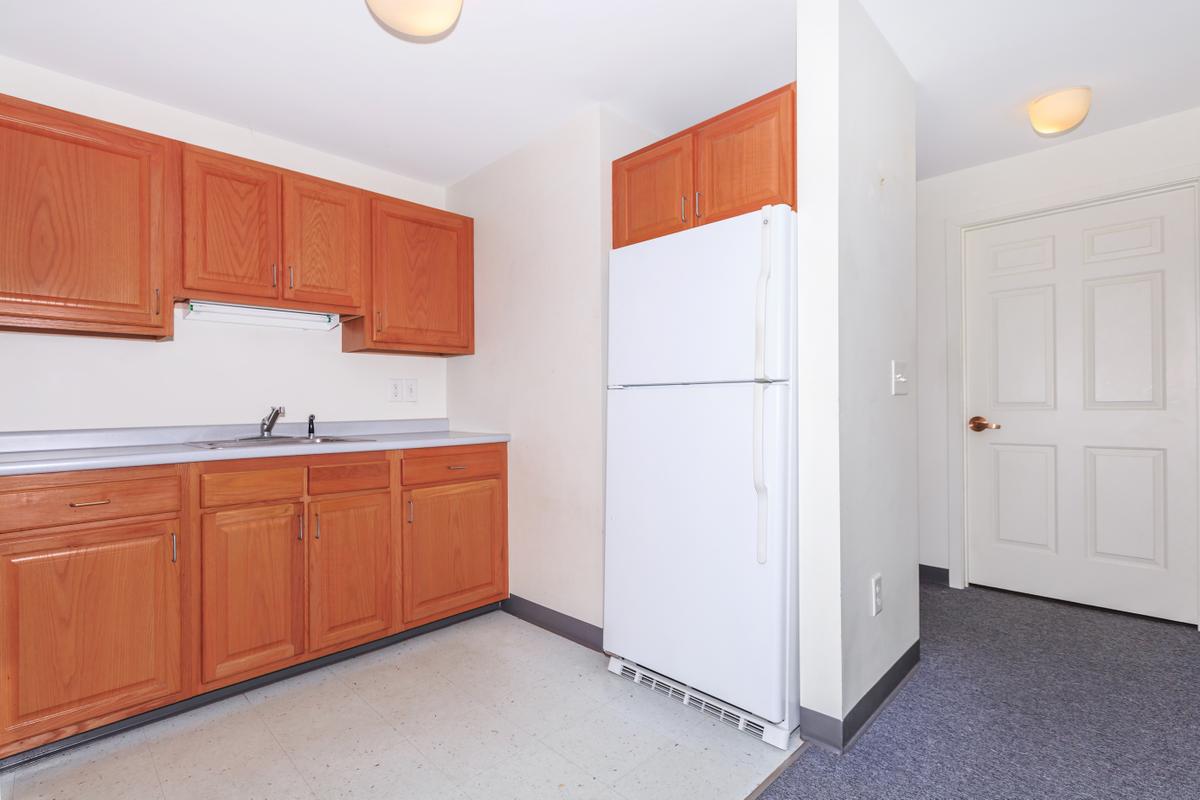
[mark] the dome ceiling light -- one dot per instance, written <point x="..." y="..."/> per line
<point x="1059" y="112"/>
<point x="418" y="19"/>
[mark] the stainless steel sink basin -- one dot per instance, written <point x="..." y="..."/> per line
<point x="268" y="441"/>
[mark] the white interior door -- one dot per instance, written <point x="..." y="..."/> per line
<point x="688" y="590"/>
<point x="1081" y="344"/>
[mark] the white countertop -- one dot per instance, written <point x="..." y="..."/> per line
<point x="30" y="452"/>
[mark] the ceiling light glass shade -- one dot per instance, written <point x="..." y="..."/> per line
<point x="1060" y="112"/>
<point x="421" y="18"/>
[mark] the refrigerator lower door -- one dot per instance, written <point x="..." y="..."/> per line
<point x="704" y="305"/>
<point x="695" y="549"/>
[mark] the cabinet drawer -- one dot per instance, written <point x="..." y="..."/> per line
<point x="452" y="467"/>
<point x="251" y="486"/>
<point x="47" y="507"/>
<point x="331" y="478"/>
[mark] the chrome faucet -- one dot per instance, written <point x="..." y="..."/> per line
<point x="312" y="426"/>
<point x="268" y="422"/>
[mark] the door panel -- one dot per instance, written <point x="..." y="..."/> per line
<point x="653" y="191"/>
<point x="685" y="309"/>
<point x="422" y="266"/>
<point x="230" y="225"/>
<point x="252" y="600"/>
<point x="682" y="538"/>
<point x="745" y="159"/>
<point x="349" y="592"/>
<point x="84" y="233"/>
<point x="1081" y="343"/>
<point x="324" y="241"/>
<point x="91" y="625"/>
<point x="454" y="553"/>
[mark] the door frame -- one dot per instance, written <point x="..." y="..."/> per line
<point x="956" y="229"/>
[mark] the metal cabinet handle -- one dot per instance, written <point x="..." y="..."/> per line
<point x="682" y="208"/>
<point x="696" y="208"/>
<point x="90" y="503"/>
<point x="274" y="276"/>
<point x="410" y="510"/>
<point x="378" y="320"/>
<point x="318" y="526"/>
<point x="457" y="466"/>
<point x="291" y="277"/>
<point x="157" y="302"/>
<point x="174" y="548"/>
<point x="300" y="536"/>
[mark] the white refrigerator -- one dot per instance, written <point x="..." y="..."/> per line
<point x="700" y="545"/>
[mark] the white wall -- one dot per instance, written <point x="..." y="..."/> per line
<point x="1146" y="154"/>
<point x="542" y="236"/>
<point x="209" y="374"/>
<point x="857" y="174"/>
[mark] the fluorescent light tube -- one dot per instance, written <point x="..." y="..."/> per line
<point x="267" y="317"/>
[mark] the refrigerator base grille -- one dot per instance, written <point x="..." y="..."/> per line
<point x="711" y="707"/>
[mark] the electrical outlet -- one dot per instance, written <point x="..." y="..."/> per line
<point x="395" y="392"/>
<point x="876" y="595"/>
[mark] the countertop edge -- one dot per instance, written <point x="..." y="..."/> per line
<point x="185" y="454"/>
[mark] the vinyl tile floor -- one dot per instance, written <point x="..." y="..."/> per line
<point x="490" y="708"/>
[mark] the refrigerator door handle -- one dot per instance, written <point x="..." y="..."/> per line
<point x="760" y="483"/>
<point x="760" y="300"/>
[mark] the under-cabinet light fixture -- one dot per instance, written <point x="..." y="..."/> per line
<point x="267" y="317"/>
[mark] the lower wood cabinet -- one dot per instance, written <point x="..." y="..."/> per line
<point x="252" y="589"/>
<point x="91" y="626"/>
<point x="454" y="548"/>
<point x="349" y="569"/>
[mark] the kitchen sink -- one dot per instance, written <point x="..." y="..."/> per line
<point x="270" y="441"/>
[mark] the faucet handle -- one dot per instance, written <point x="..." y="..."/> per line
<point x="312" y="425"/>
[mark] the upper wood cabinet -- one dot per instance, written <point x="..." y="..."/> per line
<point x="746" y="158"/>
<point x="422" y="282"/>
<point x="89" y="224"/>
<point x="731" y="164"/>
<point x="256" y="233"/>
<point x="349" y="569"/>
<point x="91" y="623"/>
<point x="231" y="225"/>
<point x="653" y="192"/>
<point x="252" y="590"/>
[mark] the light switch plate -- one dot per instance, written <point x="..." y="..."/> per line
<point x="900" y="378"/>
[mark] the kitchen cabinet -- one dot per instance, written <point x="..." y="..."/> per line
<point x="89" y="224"/>
<point x="349" y="561"/>
<point x="732" y="164"/>
<point x="653" y="191"/>
<point x="261" y="235"/>
<point x="422" y="282"/>
<point x="454" y="548"/>
<point x="91" y="624"/>
<point x="252" y="589"/>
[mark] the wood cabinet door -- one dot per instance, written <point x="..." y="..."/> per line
<point x="230" y="225"/>
<point x="324" y="242"/>
<point x="422" y="265"/>
<point x="91" y="625"/>
<point x="454" y="549"/>
<point x="252" y="589"/>
<point x="87" y="233"/>
<point x="349" y="569"/>
<point x="745" y="159"/>
<point x="653" y="191"/>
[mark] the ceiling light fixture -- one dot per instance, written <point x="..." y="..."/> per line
<point x="421" y="19"/>
<point x="1058" y="112"/>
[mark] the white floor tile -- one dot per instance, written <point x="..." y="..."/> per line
<point x="538" y="774"/>
<point x="608" y="743"/>
<point x="109" y="769"/>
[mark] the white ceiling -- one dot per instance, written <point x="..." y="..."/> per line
<point x="977" y="63"/>
<point x="325" y="74"/>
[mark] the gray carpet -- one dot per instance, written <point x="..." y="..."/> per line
<point x="1023" y="698"/>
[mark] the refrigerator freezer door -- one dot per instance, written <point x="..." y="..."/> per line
<point x="686" y="593"/>
<point x="704" y="305"/>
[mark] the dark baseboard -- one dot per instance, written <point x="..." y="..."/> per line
<point x="840" y="734"/>
<point x="229" y="691"/>
<point x="576" y="630"/>
<point x="938" y="575"/>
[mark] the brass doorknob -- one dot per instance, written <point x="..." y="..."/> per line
<point x="978" y="424"/>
